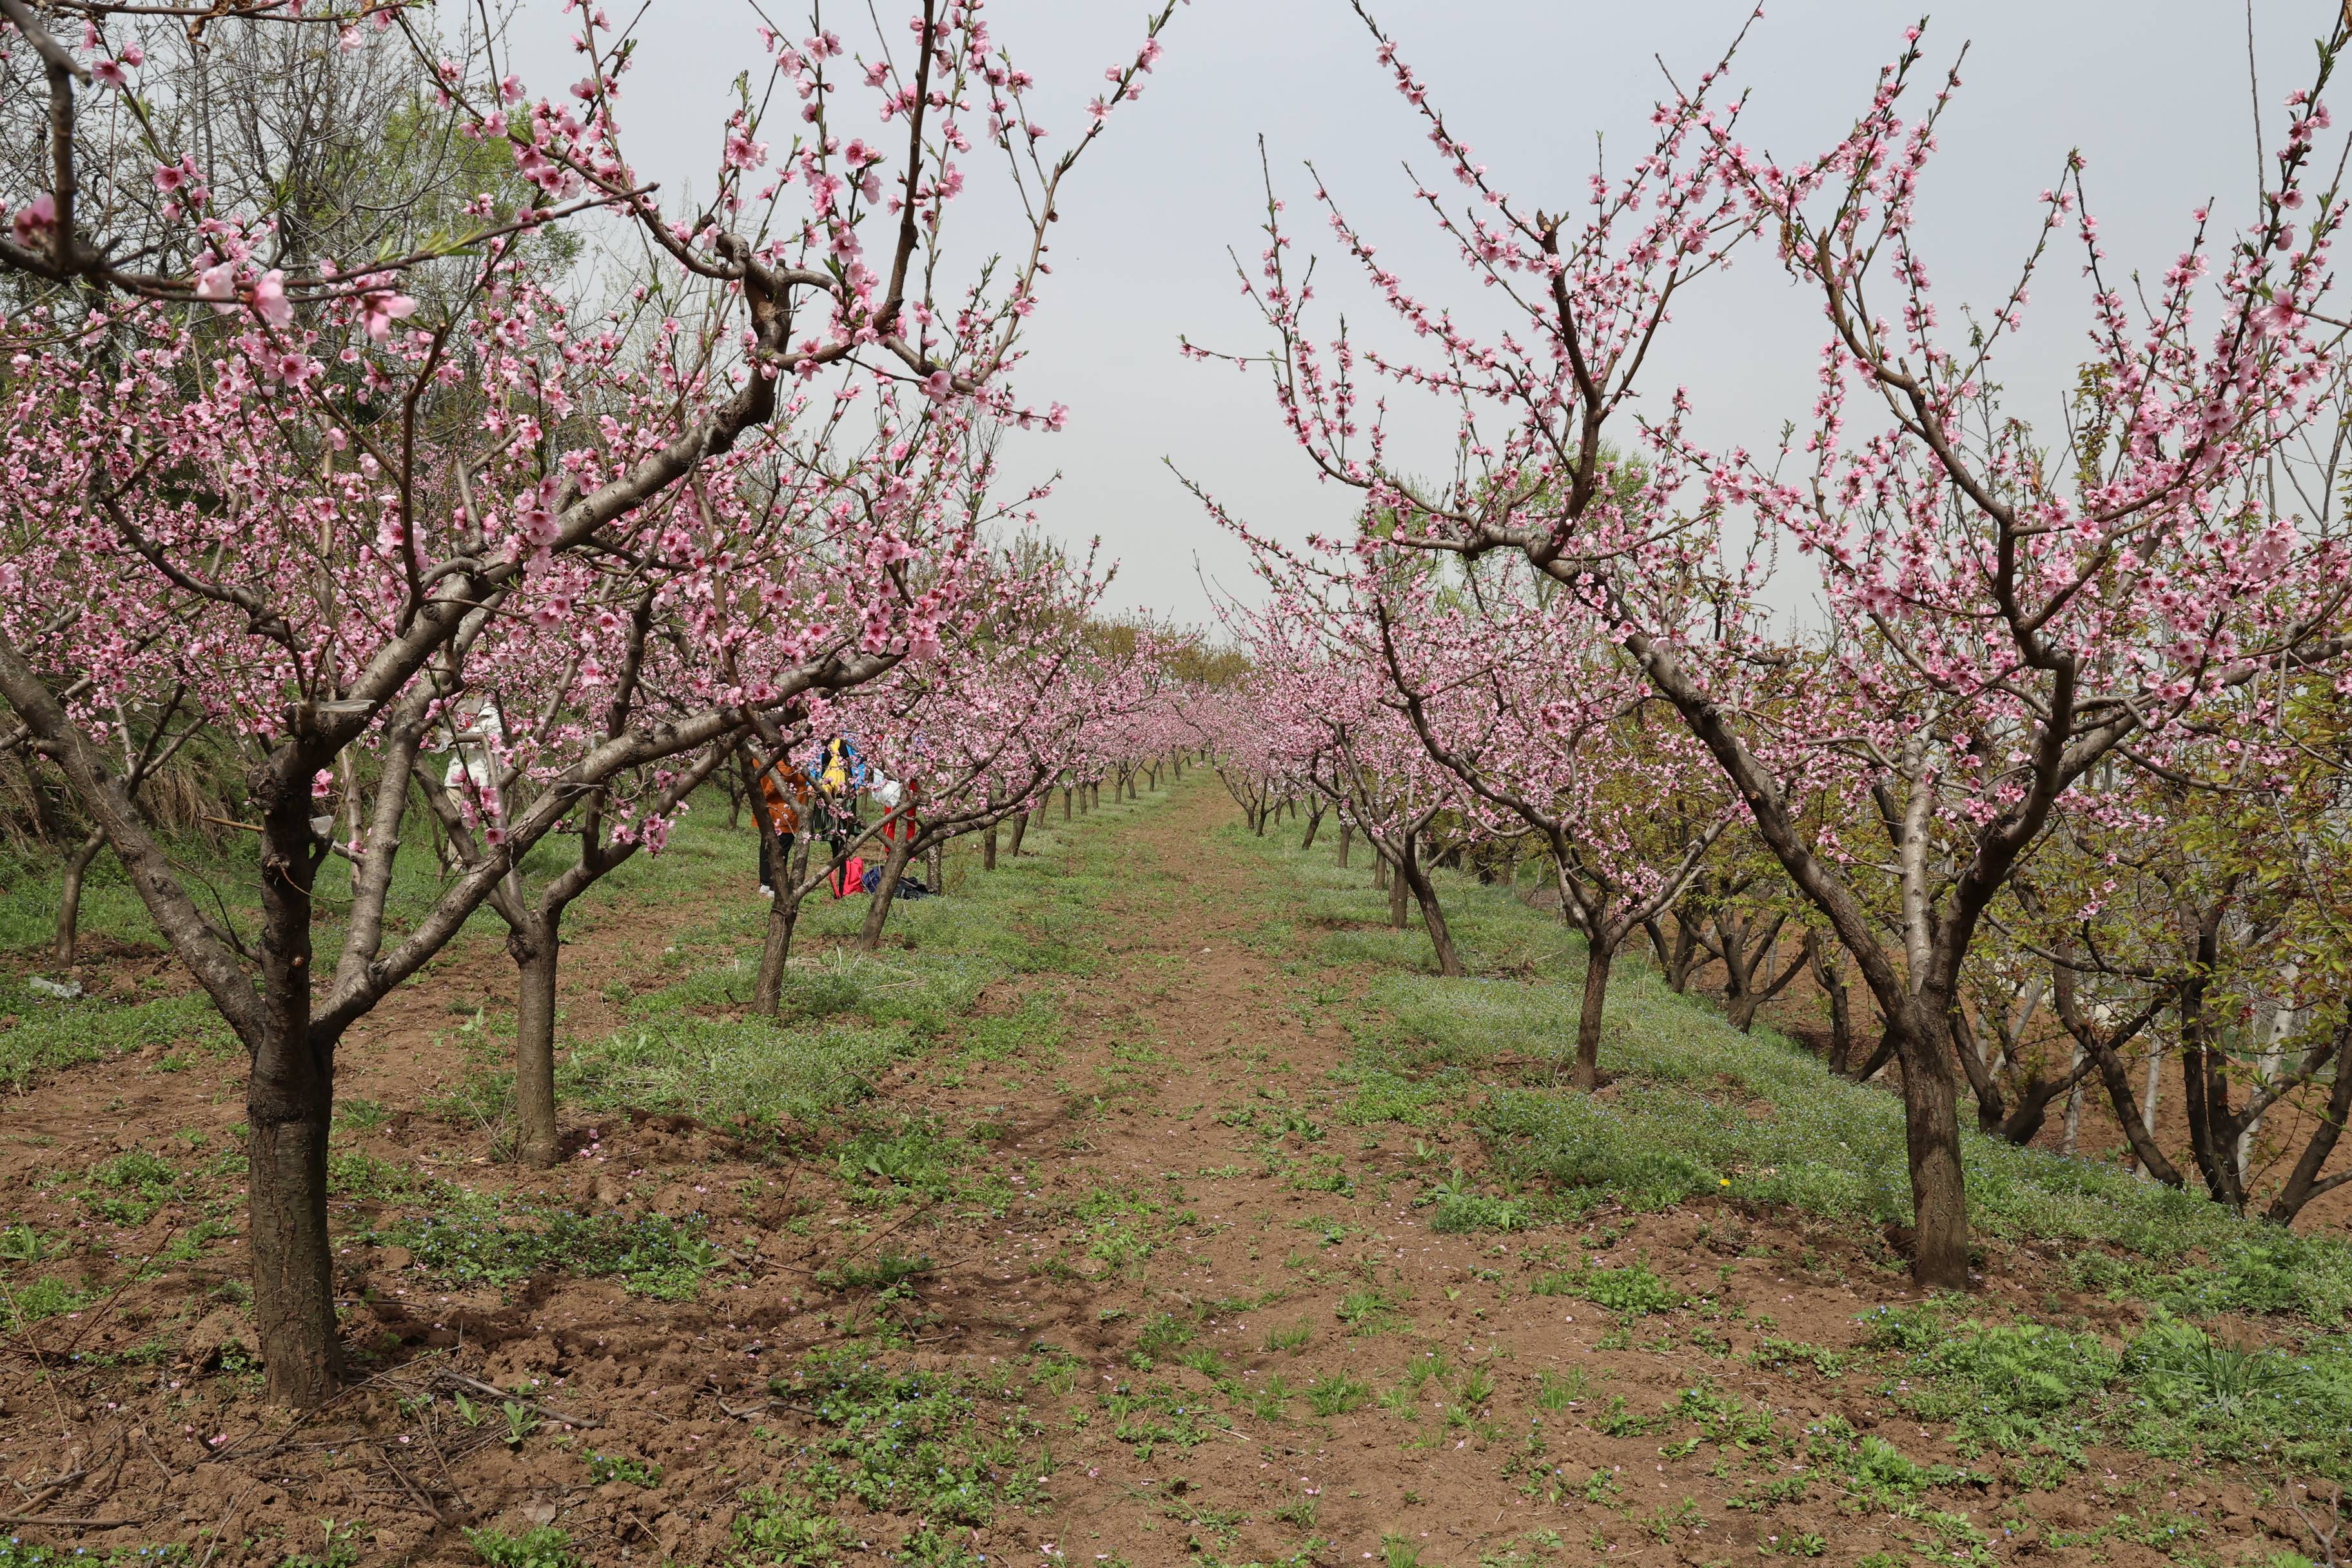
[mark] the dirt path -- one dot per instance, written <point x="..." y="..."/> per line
<point x="1378" y="1388"/>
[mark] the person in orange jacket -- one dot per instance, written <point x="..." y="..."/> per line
<point x="785" y="795"/>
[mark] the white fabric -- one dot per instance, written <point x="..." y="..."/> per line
<point x="473" y="760"/>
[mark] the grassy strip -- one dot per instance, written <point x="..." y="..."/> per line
<point x="693" y="1048"/>
<point x="39" y="1034"/>
<point x="1700" y="1108"/>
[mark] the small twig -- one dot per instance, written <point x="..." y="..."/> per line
<point x="149" y="1444"/>
<point x="76" y="1523"/>
<point x="220" y="1529"/>
<point x="18" y="1328"/>
<point x="410" y="1487"/>
<point x="2323" y="1539"/>
<point x="494" y="1392"/>
<point x="35" y="1499"/>
<point x="748" y="1411"/>
<point x="137" y="1273"/>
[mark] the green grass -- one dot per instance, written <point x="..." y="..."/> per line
<point x="45" y="1298"/>
<point x="1336" y="1394"/>
<point x="1633" y="1291"/>
<point x="936" y="1455"/>
<point x="484" y="1242"/>
<point x="50" y="1035"/>
<point x="40" y="1035"/>
<point x="1700" y="1108"/>
<point x="545" y="1547"/>
<point x="2175" y="1389"/>
<point x="16" y="1553"/>
<point x="693" y="1047"/>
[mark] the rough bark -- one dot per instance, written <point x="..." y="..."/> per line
<point x="1679" y="955"/>
<point x="1020" y="830"/>
<point x="1413" y="875"/>
<point x="1598" y="959"/>
<point x="1748" y="951"/>
<point x="2104" y="1043"/>
<point x="535" y="947"/>
<point x="1940" y="1259"/>
<point x="288" y="1106"/>
<point x="1831" y="978"/>
<point x="1346" y="837"/>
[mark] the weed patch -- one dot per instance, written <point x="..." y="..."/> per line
<point x="490" y="1244"/>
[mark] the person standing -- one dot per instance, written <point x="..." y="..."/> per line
<point x="785" y="798"/>
<point x="840" y="779"/>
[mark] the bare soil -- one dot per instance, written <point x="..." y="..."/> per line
<point x="107" y="1444"/>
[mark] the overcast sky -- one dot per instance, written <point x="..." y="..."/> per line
<point x="2155" y="92"/>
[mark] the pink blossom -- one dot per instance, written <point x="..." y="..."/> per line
<point x="380" y="309"/>
<point x="36" y="218"/>
<point x="270" y="299"/>
<point x="216" y="286"/>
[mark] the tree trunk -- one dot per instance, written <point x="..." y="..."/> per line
<point x="768" y="989"/>
<point x="1931" y="1124"/>
<point x="2304" y="1183"/>
<point x="2146" y="1112"/>
<point x="1346" y="837"/>
<point x="936" y="861"/>
<point x="1831" y="979"/>
<point x="2073" y="1107"/>
<point x="877" y="908"/>
<point x="1314" y="821"/>
<point x="2137" y="1129"/>
<point x="1020" y="828"/>
<point x="289" y="1107"/>
<point x="1398" y="893"/>
<point x="535" y="949"/>
<point x="2205" y="1095"/>
<point x="1432" y="915"/>
<point x="1069" y="793"/>
<point x="1678" y="957"/>
<point x="1599" y="957"/>
<point x="987" y="850"/>
<point x="61" y="949"/>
